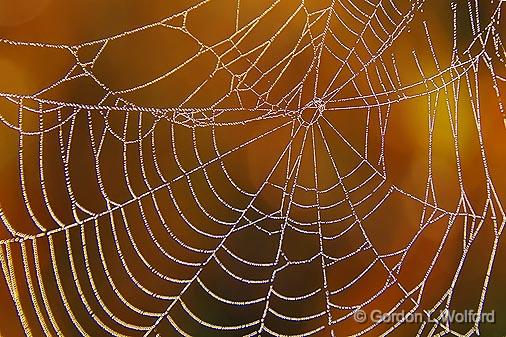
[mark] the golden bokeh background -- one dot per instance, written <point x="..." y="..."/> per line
<point x="138" y="134"/>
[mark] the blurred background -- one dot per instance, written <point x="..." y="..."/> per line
<point x="321" y="156"/>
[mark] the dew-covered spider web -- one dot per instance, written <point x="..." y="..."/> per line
<point x="251" y="167"/>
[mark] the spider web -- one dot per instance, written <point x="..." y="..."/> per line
<point x="248" y="189"/>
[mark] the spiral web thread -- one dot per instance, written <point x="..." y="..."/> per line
<point x="311" y="133"/>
